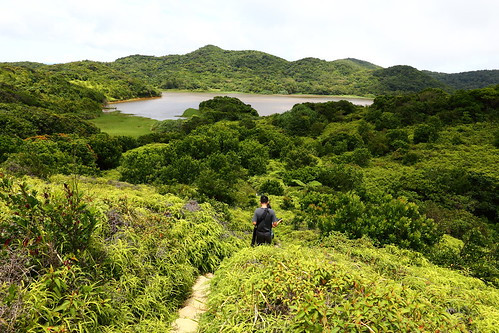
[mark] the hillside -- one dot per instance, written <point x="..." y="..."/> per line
<point x="215" y="69"/>
<point x="212" y="68"/>
<point x="468" y="80"/>
<point x="97" y="76"/>
<point x="390" y="211"/>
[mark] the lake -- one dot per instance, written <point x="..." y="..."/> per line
<point x="173" y="104"/>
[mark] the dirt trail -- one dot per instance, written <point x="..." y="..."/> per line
<point x="193" y="308"/>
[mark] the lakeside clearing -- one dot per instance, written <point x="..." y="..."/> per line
<point x="116" y="123"/>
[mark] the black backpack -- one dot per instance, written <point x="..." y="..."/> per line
<point x="263" y="225"/>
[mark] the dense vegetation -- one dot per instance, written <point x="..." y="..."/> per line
<point x="88" y="256"/>
<point x="390" y="211"/>
<point x="211" y="68"/>
<point x="98" y="77"/>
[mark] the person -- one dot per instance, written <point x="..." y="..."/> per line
<point x="264" y="219"/>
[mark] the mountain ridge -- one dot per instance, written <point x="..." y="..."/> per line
<point x="211" y="68"/>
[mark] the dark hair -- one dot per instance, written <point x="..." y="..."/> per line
<point x="264" y="199"/>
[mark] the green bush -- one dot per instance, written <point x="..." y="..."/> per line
<point x="382" y="218"/>
<point x="341" y="177"/>
<point x="43" y="156"/>
<point x="306" y="290"/>
<point x="272" y="187"/>
<point x="425" y="133"/>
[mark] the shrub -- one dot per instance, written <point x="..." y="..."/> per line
<point x="341" y="177"/>
<point x="306" y="290"/>
<point x="272" y="187"/>
<point x="384" y="219"/>
<point x="425" y="133"/>
<point x="50" y="227"/>
<point x="107" y="149"/>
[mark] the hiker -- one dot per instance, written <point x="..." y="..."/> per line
<point x="263" y="220"/>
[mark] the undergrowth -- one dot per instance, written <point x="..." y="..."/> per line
<point x="343" y="285"/>
<point x="87" y="255"/>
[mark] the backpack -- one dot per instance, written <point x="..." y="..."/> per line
<point x="263" y="224"/>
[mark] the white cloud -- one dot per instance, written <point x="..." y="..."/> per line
<point x="437" y="35"/>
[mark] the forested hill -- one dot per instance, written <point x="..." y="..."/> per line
<point x="468" y="80"/>
<point x="96" y="76"/>
<point x="212" y="68"/>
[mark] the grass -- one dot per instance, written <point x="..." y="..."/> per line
<point x="191" y="112"/>
<point x="116" y="123"/>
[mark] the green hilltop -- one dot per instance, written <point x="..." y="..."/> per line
<point x="212" y="68"/>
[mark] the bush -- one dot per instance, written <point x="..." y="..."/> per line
<point x="43" y="156"/>
<point x="107" y="149"/>
<point x="302" y="290"/>
<point x="384" y="219"/>
<point x="272" y="187"/>
<point x="143" y="164"/>
<point x="341" y="177"/>
<point x="425" y="133"/>
<point x="361" y="157"/>
<point x="50" y="227"/>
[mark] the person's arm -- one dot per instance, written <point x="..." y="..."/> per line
<point x="275" y="221"/>
<point x="255" y="218"/>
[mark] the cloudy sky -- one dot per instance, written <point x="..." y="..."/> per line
<point x="439" y="35"/>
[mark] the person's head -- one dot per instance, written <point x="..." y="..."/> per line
<point x="264" y="200"/>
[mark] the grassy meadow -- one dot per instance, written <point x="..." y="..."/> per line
<point x="116" y="123"/>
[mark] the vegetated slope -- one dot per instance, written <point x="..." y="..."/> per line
<point x="211" y="67"/>
<point x="88" y="255"/>
<point x="405" y="79"/>
<point x="411" y="172"/>
<point x="33" y="102"/>
<point x="339" y="285"/>
<point x="97" y="76"/>
<point x="35" y="87"/>
<point x="468" y="80"/>
<point x="115" y="85"/>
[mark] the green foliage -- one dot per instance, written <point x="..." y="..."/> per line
<point x="382" y="218"/>
<point x="311" y="290"/>
<point x="43" y="156"/>
<point x="425" y="133"/>
<point x="272" y="187"/>
<point x="340" y="177"/>
<point x="51" y="92"/>
<point x="143" y="164"/>
<point x="468" y="80"/>
<point x="113" y="84"/>
<point x="211" y="68"/>
<point x="49" y="228"/>
<point x="405" y="78"/>
<point x="109" y="256"/>
<point x="107" y="150"/>
<point x="300" y="120"/>
<point x="224" y="107"/>
<point x="111" y="261"/>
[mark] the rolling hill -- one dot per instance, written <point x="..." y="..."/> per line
<point x="212" y="68"/>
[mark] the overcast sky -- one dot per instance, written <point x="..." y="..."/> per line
<point x="439" y="35"/>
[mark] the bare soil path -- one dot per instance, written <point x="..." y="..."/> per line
<point x="188" y="316"/>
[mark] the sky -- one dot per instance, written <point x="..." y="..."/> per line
<point x="447" y="36"/>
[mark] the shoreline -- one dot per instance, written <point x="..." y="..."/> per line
<point x="138" y="99"/>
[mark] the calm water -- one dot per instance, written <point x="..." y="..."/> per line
<point x="173" y="104"/>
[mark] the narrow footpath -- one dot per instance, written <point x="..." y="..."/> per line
<point x="188" y="316"/>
